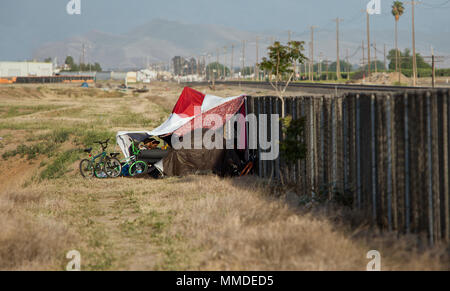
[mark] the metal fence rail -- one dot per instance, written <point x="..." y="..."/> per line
<point x="389" y="152"/>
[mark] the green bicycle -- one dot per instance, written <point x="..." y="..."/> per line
<point x="106" y="166"/>
<point x="135" y="165"/>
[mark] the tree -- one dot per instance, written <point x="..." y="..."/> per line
<point x="97" y="67"/>
<point x="279" y="65"/>
<point x="406" y="60"/>
<point x="69" y="61"/>
<point x="81" y="67"/>
<point x="214" y="69"/>
<point x="48" y="60"/>
<point x="397" y="10"/>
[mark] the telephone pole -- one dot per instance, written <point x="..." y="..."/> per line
<point x="338" y="61"/>
<point x="348" y="65"/>
<point x="368" y="43"/>
<point x="413" y="4"/>
<point x="433" y="70"/>
<point x="434" y="59"/>
<point x="257" y="60"/>
<point x="218" y="68"/>
<point x="385" y="65"/>
<point x="376" y="60"/>
<point x="243" y="58"/>
<point x="232" y="59"/>
<point x="311" y="62"/>
<point x="83" y="52"/>
<point x="363" y="56"/>
<point x="224" y="62"/>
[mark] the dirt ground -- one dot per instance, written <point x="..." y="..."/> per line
<point x="200" y="222"/>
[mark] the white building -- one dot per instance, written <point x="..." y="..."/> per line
<point x="25" y="69"/>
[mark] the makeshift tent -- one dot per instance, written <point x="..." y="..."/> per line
<point x="192" y="113"/>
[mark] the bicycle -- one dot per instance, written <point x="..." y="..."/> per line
<point x="136" y="166"/>
<point x="107" y="166"/>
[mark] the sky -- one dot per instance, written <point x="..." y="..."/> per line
<point x="27" y="24"/>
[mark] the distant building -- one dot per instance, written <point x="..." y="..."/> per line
<point x="184" y="67"/>
<point x="178" y="65"/>
<point x="25" y="69"/>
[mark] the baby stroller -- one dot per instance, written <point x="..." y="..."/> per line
<point x="141" y="161"/>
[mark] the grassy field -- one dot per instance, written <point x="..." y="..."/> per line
<point x="180" y="223"/>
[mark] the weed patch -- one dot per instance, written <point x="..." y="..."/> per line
<point x="58" y="167"/>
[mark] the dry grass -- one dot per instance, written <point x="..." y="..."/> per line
<point x="189" y="223"/>
<point x="29" y="242"/>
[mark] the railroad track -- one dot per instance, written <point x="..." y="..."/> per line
<point x="322" y="86"/>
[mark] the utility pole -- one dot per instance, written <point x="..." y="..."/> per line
<point x="311" y="63"/>
<point x="338" y="61"/>
<point x="243" y="57"/>
<point x="218" y="68"/>
<point x="257" y="60"/>
<point x="224" y="62"/>
<point x="413" y="4"/>
<point x="434" y="59"/>
<point x="84" y="53"/>
<point x="376" y="60"/>
<point x="363" y="56"/>
<point x="433" y="71"/>
<point x="385" y="65"/>
<point x="232" y="59"/>
<point x="368" y="43"/>
<point x="289" y="35"/>
<point x="348" y="65"/>
<point x="320" y="65"/>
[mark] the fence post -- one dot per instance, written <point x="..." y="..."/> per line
<point x="294" y="117"/>
<point x="312" y="138"/>
<point x="321" y="143"/>
<point x="389" y="161"/>
<point x="407" y="172"/>
<point x="442" y="162"/>
<point x="430" y="170"/>
<point x="344" y="139"/>
<point x="374" y="160"/>
<point x="435" y="147"/>
<point x="358" y="150"/>
<point x="279" y="163"/>
<point x="447" y="172"/>
<point x="258" y="112"/>
<point x="333" y="147"/>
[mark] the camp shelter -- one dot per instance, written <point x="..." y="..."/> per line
<point x="194" y="115"/>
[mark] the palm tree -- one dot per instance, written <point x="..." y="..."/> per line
<point x="397" y="10"/>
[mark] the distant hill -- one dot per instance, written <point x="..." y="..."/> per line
<point x="160" y="40"/>
<point x="156" y="41"/>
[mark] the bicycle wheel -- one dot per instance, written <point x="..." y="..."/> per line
<point x="86" y="169"/>
<point x="137" y="168"/>
<point x="99" y="171"/>
<point x="113" y="168"/>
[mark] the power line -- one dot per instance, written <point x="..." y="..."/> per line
<point x="441" y="5"/>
